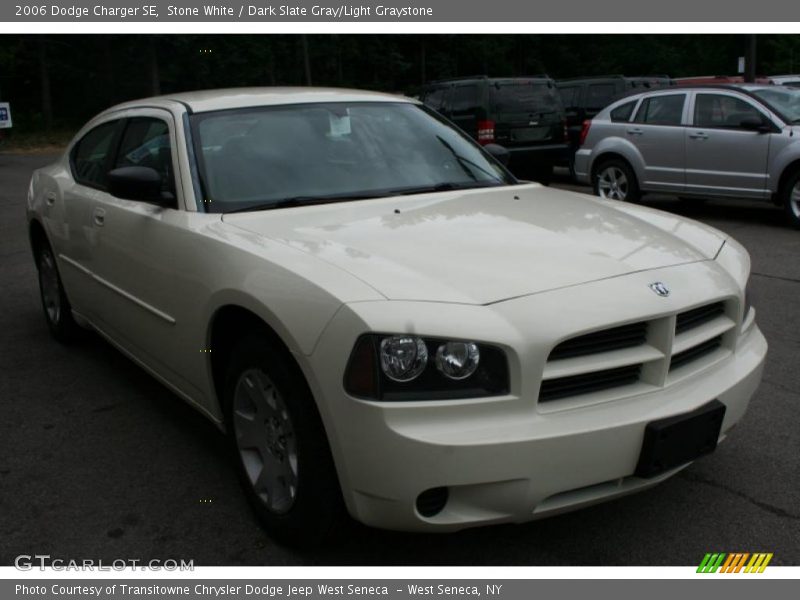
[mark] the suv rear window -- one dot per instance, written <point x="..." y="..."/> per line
<point x="525" y="97"/>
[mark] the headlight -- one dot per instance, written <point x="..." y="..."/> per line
<point x="458" y="360"/>
<point x="403" y="358"/>
<point x="407" y="367"/>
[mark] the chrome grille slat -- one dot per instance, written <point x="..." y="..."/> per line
<point x="564" y="387"/>
<point x="695" y="352"/>
<point x="625" y="336"/>
<point x="697" y="316"/>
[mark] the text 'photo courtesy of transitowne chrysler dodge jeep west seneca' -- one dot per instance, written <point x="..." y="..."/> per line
<point x="397" y="328"/>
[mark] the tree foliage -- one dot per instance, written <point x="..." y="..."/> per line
<point x="90" y="72"/>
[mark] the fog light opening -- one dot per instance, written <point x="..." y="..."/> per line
<point x="431" y="502"/>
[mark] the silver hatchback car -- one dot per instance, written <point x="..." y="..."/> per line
<point x="706" y="141"/>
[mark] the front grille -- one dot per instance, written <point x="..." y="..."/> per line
<point x="586" y="383"/>
<point x="687" y="356"/>
<point x="697" y="316"/>
<point x="625" y="336"/>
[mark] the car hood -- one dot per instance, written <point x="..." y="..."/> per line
<point x="484" y="245"/>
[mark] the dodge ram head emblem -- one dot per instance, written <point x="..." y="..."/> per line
<point x="660" y="288"/>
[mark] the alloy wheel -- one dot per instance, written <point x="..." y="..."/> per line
<point x="794" y="200"/>
<point x="266" y="440"/>
<point x="612" y="183"/>
<point x="51" y="293"/>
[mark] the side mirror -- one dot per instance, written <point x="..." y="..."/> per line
<point x="136" y="183"/>
<point x="499" y="153"/>
<point x="755" y="124"/>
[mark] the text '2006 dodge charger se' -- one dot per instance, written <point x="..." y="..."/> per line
<point x="382" y="318"/>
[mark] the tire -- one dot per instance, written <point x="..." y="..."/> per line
<point x="615" y="180"/>
<point x="790" y="198"/>
<point x="56" y="306"/>
<point x="280" y="446"/>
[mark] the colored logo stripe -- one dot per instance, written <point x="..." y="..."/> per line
<point x="734" y="562"/>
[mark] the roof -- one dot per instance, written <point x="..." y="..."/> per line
<point x="222" y="99"/>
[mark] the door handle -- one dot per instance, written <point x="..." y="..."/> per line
<point x="635" y="131"/>
<point x="50" y="198"/>
<point x="99" y="217"/>
<point x="698" y="135"/>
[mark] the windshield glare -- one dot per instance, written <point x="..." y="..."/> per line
<point x="259" y="156"/>
<point x="785" y="101"/>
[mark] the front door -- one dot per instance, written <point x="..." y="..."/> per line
<point x="723" y="157"/>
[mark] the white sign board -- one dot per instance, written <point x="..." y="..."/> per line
<point x="5" y="115"/>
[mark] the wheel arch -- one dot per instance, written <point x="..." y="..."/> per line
<point x="233" y="320"/>
<point x="37" y="236"/>
<point x="789" y="170"/>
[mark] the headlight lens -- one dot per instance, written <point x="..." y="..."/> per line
<point x="403" y="358"/>
<point x="458" y="360"/>
<point x="392" y="367"/>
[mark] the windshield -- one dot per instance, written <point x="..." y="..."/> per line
<point x="525" y="97"/>
<point x="270" y="157"/>
<point x="785" y="101"/>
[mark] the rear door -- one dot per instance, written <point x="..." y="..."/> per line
<point x="722" y="157"/>
<point x="90" y="159"/>
<point x="658" y="132"/>
<point x="526" y="112"/>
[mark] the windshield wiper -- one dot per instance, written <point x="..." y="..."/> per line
<point x="301" y="201"/>
<point x="464" y="162"/>
<point x="445" y="186"/>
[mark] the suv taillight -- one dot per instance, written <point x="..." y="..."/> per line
<point x="566" y="130"/>
<point x="587" y="124"/>
<point x="485" y="132"/>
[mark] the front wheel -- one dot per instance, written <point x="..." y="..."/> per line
<point x="615" y="180"/>
<point x="791" y="199"/>
<point x="280" y="446"/>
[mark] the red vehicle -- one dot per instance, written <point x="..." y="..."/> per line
<point x="712" y="79"/>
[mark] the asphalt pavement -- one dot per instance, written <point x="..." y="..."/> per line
<point x="98" y="460"/>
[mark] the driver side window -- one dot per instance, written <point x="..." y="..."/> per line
<point x="146" y="143"/>
<point x="719" y="110"/>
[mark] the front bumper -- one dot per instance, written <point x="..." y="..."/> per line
<point x="508" y="459"/>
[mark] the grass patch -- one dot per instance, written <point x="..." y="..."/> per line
<point x="35" y="142"/>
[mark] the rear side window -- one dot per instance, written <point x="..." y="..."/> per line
<point x="146" y="143"/>
<point x="661" y="110"/>
<point x="525" y="97"/>
<point x="570" y="95"/>
<point x="91" y="154"/>
<point x="464" y="99"/>
<point x="622" y="114"/>
<point x="599" y="95"/>
<point x="435" y="99"/>
<point x="718" y="110"/>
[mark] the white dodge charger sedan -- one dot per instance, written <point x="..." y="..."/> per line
<point x="384" y="321"/>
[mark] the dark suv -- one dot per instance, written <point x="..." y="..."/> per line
<point x="584" y="97"/>
<point x="522" y="114"/>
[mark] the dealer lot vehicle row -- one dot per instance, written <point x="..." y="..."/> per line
<point x="713" y="141"/>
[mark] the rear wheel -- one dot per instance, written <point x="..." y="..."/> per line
<point x="615" y="180"/>
<point x="57" y="310"/>
<point x="791" y="199"/>
<point x="280" y="445"/>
